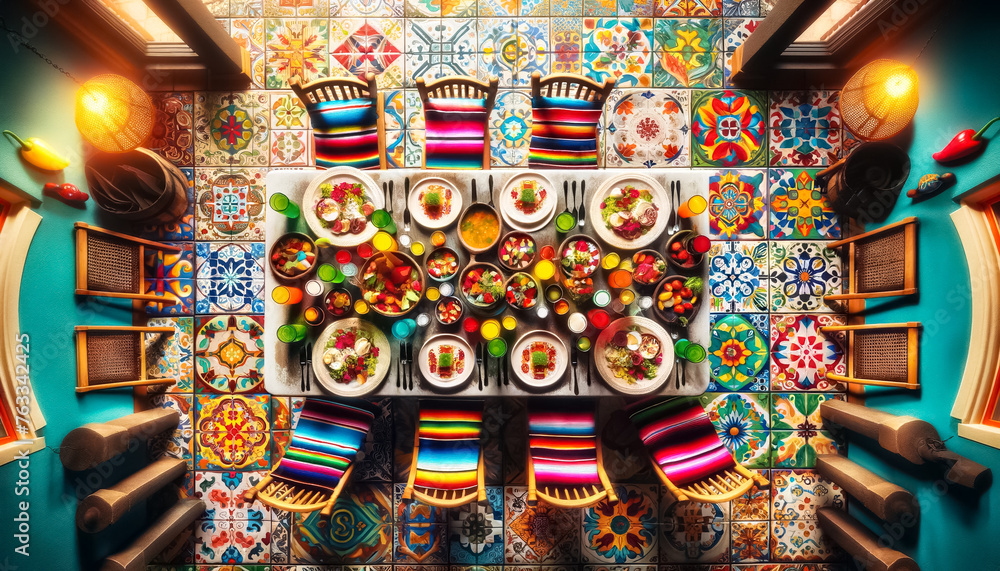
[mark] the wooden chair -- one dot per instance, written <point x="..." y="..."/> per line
<point x="343" y="89"/>
<point x="319" y="459"/>
<point x="113" y="357"/>
<point x="460" y="87"/>
<point x="881" y="263"/>
<point x="447" y="434"/>
<point x="565" y="112"/>
<point x="571" y="86"/>
<point x="687" y="454"/>
<point x="880" y="354"/>
<point x="565" y="464"/>
<point x="110" y="264"/>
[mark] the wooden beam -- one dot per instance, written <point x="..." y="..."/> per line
<point x="757" y="56"/>
<point x="885" y="499"/>
<point x="155" y="539"/>
<point x="104" y="507"/>
<point x="89" y="445"/>
<point x="861" y="543"/>
<point x="192" y="21"/>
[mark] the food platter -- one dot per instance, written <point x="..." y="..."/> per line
<point x="398" y="277"/>
<point x="528" y="367"/>
<point x="428" y="215"/>
<point x="459" y="367"/>
<point x="377" y="344"/>
<point x="535" y="212"/>
<point x="650" y="204"/>
<point x="608" y="350"/>
<point x="313" y="195"/>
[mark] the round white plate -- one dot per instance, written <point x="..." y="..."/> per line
<point x="555" y="376"/>
<point x="660" y="199"/>
<point x="352" y="389"/>
<point x="336" y="176"/>
<point x="528" y="222"/>
<point x="435" y="380"/>
<point x="643" y="325"/>
<point x="417" y="209"/>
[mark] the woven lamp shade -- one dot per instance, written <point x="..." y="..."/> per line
<point x="880" y="99"/>
<point x="113" y="114"/>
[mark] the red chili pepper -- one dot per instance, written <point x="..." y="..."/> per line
<point x="964" y="144"/>
<point x="66" y="192"/>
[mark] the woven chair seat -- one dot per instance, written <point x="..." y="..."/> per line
<point x="112" y="264"/>
<point x="113" y="357"/>
<point x="880" y="263"/>
<point x="881" y="355"/>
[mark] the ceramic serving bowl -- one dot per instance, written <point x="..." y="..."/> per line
<point x="648" y="268"/>
<point x="586" y="270"/>
<point x="693" y="262"/>
<point x="394" y="259"/>
<point x="437" y="252"/>
<point x="473" y="225"/>
<point x="669" y="314"/>
<point x="441" y="303"/>
<point x="274" y="256"/>
<point x="507" y="246"/>
<point x="474" y="296"/>
<point x="521" y="303"/>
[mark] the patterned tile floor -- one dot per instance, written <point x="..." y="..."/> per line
<point x="673" y="107"/>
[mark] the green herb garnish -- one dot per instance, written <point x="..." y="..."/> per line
<point x="539" y="359"/>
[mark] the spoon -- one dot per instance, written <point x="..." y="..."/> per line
<point x="566" y="221"/>
<point x="574" y="201"/>
<point x="474" y="197"/>
<point x="581" y="221"/>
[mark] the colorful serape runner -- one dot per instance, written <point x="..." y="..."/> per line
<point x="455" y="133"/>
<point x="681" y="439"/>
<point x="449" y="431"/>
<point x="345" y="133"/>
<point x="563" y="446"/>
<point x="325" y="442"/>
<point x="563" y="133"/>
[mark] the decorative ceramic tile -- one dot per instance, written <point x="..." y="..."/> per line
<point x="510" y="129"/>
<point x="693" y="532"/>
<point x="169" y="275"/>
<point x="799" y="411"/>
<point x="801" y="273"/>
<point x="639" y="8"/>
<point x="250" y="8"/>
<point x="736" y="31"/>
<point x="728" y="128"/>
<point x="358" y="532"/>
<point x="230" y="277"/>
<point x="799" y="208"/>
<point x="170" y="357"/>
<point x="754" y="504"/>
<point x="422" y="544"/>
<point x="688" y="69"/>
<point x="534" y="48"/>
<point x="181" y="229"/>
<point x="567" y="43"/>
<point x="395" y="109"/>
<point x="414" y="148"/>
<point x="175" y="444"/>
<point x="288" y="111"/>
<point x="624" y="531"/>
<point x="232" y="542"/>
<point x="737" y="205"/>
<point x="285" y="412"/>
<point x="648" y="129"/>
<point x="599" y="8"/>
<point x="375" y="463"/>
<point x="367" y="8"/>
<point x="540" y="534"/>
<point x="750" y="541"/>
<point x="501" y="49"/>
<point x="738" y="276"/>
<point x="440" y="8"/>
<point x="741" y="8"/>
<point x="801" y="355"/>
<point x="375" y="47"/>
<point x="232" y="128"/>
<point x="566" y="8"/>
<point x="475" y="532"/>
<point x="799" y="448"/>
<point x="797" y="494"/>
<point x="291" y="148"/>
<point x="620" y="49"/>
<point x="233" y="432"/>
<point x="248" y="33"/>
<point x="230" y="204"/>
<point x="229" y="356"/>
<point x="737" y="356"/>
<point x="218" y="7"/>
<point x="701" y="35"/>
<point x="296" y="8"/>
<point x="742" y="421"/>
<point x="801" y="540"/>
<point x="805" y="128"/>
<point x="297" y="50"/>
<point x="223" y="496"/>
<point x="173" y="122"/>
<point x="281" y="536"/>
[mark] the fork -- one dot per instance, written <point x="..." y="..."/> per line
<point x="302" y="368"/>
<point x="403" y="361"/>
<point x="399" y="365"/>
<point x="678" y="369"/>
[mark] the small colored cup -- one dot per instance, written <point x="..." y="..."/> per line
<point x="417" y="248"/>
<point x="627" y="296"/>
<point x="576" y="322"/>
<point x="329" y="274"/>
<point x="470" y="325"/>
<point x="509" y="322"/>
<point x="620" y="279"/>
<point x="282" y="205"/>
<point x="291" y="332"/>
<point x="383" y="221"/>
<point x="565" y="222"/>
<point x="446" y="289"/>
<point x="423" y="320"/>
<point x="405" y="240"/>
<point x="314" y="315"/>
<point x="599" y="318"/>
<point x="584" y="343"/>
<point x="286" y="295"/>
<point x="694" y="353"/>
<point x="692" y="206"/>
<point x="602" y="298"/>
<point x="561" y="307"/>
<point x="698" y="244"/>
<point x="361" y="307"/>
<point x="490" y="329"/>
<point x="384" y="242"/>
<point x="343" y="256"/>
<point x="349" y="270"/>
<point x="611" y="261"/>
<point x="403" y="328"/>
<point x="547" y="253"/>
<point x="544" y="270"/>
<point x="542" y="312"/>
<point x="553" y="292"/>
<point x="438" y="238"/>
<point x="314" y="288"/>
<point x="433" y="294"/>
<point x="497" y="347"/>
<point x="365" y="251"/>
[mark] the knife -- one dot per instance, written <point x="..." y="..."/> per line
<point x="309" y="362"/>
<point x="409" y="362"/>
<point x="582" y="220"/>
<point x="491" y="191"/>
<point x="479" y="363"/>
<point x="302" y="368"/>
<point x="575" y="211"/>
<point x="406" y="205"/>
<point x="388" y="205"/>
<point x="573" y="361"/>
<point x="474" y="198"/>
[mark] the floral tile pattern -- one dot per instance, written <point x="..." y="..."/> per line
<point x="248" y="33"/>
<point x="750" y="541"/>
<point x="728" y="128"/>
<point x="799" y="448"/>
<point x="620" y="49"/>
<point x="749" y="8"/>
<point x="689" y="8"/>
<point x="687" y="53"/>
<point x="296" y="8"/>
<point x="229" y="355"/>
<point x="540" y="534"/>
<point x="736" y="31"/>
<point x="170" y="357"/>
<point x="232" y="129"/>
<point x="423" y="544"/>
<point x="753" y="505"/>
<point x="296" y="50"/>
<point x="801" y="540"/>
<point x="799" y="411"/>
<point x="648" y="129"/>
<point x="801" y="355"/>
<point x="230" y="277"/>
<point x="742" y="421"/>
<point x="360" y="530"/>
<point x="738" y="277"/>
<point x="510" y="129"/>
<point x="232" y="542"/>
<point x="230" y="204"/>
<point x="798" y="494"/>
<point x="233" y="432"/>
<point x="223" y="496"/>
<point x="176" y="444"/>
<point x="693" y="532"/>
<point x="805" y="128"/>
<point x="475" y="533"/>
<point x="801" y="274"/>
<point x="738" y="353"/>
<point x="170" y="275"/>
<point x="799" y="208"/>
<point x="173" y="127"/>
<point x="737" y="205"/>
<point x="624" y="531"/>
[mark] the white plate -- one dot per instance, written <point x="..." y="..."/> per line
<point x="435" y="380"/>
<point x="336" y="176"/>
<point x="555" y="376"/>
<point x="660" y="199"/>
<point x="644" y="325"/>
<point x="352" y="389"/>
<point x="417" y="211"/>
<point x="528" y="222"/>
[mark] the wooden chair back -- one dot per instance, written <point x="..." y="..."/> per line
<point x="113" y="357"/>
<point x="718" y="488"/>
<point x="881" y="263"/>
<point x="572" y="497"/>
<point x="344" y="88"/>
<point x="293" y="497"/>
<point x="461" y="87"/>
<point x="571" y="86"/>
<point x="884" y="355"/>
<point x="111" y="264"/>
<point x="443" y="498"/>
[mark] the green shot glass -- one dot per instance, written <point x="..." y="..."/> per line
<point x="280" y="204"/>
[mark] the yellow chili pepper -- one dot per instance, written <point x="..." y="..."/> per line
<point x="38" y="153"/>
